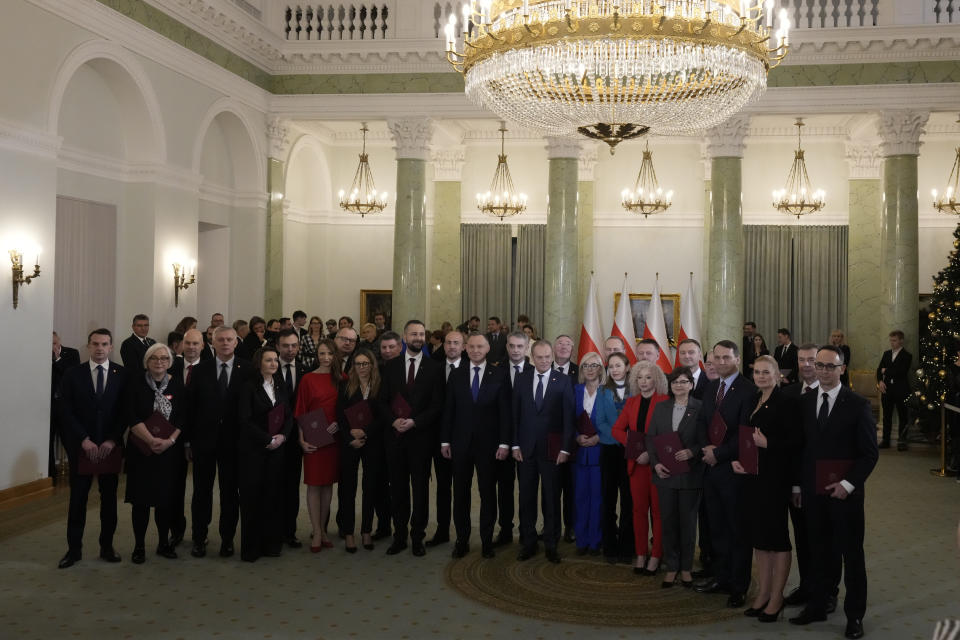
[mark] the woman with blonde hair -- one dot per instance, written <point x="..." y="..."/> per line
<point x="839" y="340"/>
<point x="648" y="386"/>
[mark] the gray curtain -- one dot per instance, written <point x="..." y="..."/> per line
<point x="485" y="255"/>
<point x="796" y="277"/>
<point x="528" y="277"/>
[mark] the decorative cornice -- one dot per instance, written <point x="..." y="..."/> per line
<point x="900" y="131"/>
<point x="17" y="137"/>
<point x="559" y="147"/>
<point x="411" y="137"/>
<point x="588" y="161"/>
<point x="726" y="140"/>
<point x="233" y="198"/>
<point x="448" y="164"/>
<point x="95" y="164"/>
<point x="864" y="160"/>
<point x="873" y="44"/>
<point x="278" y="138"/>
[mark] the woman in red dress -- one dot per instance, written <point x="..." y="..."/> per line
<point x="321" y="466"/>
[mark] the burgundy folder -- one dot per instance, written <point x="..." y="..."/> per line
<point x="585" y="425"/>
<point x="717" y="430"/>
<point x="359" y="415"/>
<point x="400" y="407"/>
<point x="667" y="445"/>
<point x="158" y="426"/>
<point x="829" y="472"/>
<point x="636" y="445"/>
<point x="314" y="426"/>
<point x="106" y="466"/>
<point x="749" y="454"/>
<point x="275" y="419"/>
<point x="554" y="446"/>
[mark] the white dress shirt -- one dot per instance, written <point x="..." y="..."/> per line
<point x="293" y="372"/>
<point x="271" y="392"/>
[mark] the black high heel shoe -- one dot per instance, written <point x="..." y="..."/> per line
<point x="755" y="613"/>
<point x="770" y="617"/>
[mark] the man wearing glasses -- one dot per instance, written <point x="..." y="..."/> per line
<point x="346" y="342"/>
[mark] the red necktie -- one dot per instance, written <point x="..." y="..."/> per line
<point x="411" y="373"/>
<point x="721" y="391"/>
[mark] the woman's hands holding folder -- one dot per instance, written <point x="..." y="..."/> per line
<point x="662" y="471"/>
<point x="759" y="439"/>
<point x="737" y="467"/>
<point x="332" y="428"/>
<point x="359" y="438"/>
<point x="306" y="446"/>
<point x="683" y="454"/>
<point x="588" y="441"/>
<point x="644" y="458"/>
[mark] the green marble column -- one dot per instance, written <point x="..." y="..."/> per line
<point x="585" y="191"/>
<point x="725" y="275"/>
<point x="561" y="271"/>
<point x="445" y="296"/>
<point x="273" y="282"/>
<point x="863" y="264"/>
<point x="705" y="291"/>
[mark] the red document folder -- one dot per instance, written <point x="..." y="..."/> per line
<point x="158" y="426"/>
<point x="585" y="425"/>
<point x="667" y="445"/>
<point x="829" y="472"/>
<point x="749" y="454"/>
<point x="359" y="415"/>
<point x="275" y="419"/>
<point x="106" y="466"/>
<point x="717" y="430"/>
<point x="400" y="407"/>
<point x="314" y="426"/>
<point x="636" y="445"/>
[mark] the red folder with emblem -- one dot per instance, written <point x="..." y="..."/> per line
<point x="110" y="464"/>
<point x="400" y="407"/>
<point x="359" y="415"/>
<point x="585" y="425"/>
<point x="749" y="455"/>
<point x="275" y="419"/>
<point x="830" y="472"/>
<point x="636" y="445"/>
<point x="667" y="445"/>
<point x="314" y="426"/>
<point x="717" y="430"/>
<point x="158" y="426"/>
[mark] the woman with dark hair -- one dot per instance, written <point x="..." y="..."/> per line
<point x="255" y="339"/>
<point x="150" y="474"/>
<point x="679" y="494"/>
<point x="618" y="544"/>
<point x="759" y="349"/>
<point x="321" y="466"/>
<point x="260" y="455"/>
<point x="308" y="343"/>
<point x="360" y="444"/>
<point x="185" y="324"/>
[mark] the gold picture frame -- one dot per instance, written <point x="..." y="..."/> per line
<point x="374" y="301"/>
<point x="640" y="302"/>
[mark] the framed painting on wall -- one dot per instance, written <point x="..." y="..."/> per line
<point x="374" y="301"/>
<point x="640" y="306"/>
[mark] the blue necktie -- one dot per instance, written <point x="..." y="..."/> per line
<point x="475" y="385"/>
<point x="99" y="380"/>
<point x="538" y="396"/>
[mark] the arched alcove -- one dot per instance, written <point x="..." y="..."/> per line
<point x="307" y="184"/>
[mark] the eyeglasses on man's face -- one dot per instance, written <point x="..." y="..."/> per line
<point x="826" y="366"/>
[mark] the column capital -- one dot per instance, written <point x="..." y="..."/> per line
<point x="587" y="162"/>
<point x="900" y="131"/>
<point x="278" y="138"/>
<point x="448" y="164"/>
<point x="411" y="137"/>
<point x="559" y="147"/>
<point x="726" y="140"/>
<point x="863" y="158"/>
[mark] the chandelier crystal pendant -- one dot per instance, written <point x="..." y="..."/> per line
<point x="502" y="200"/>
<point x="363" y="197"/>
<point x="646" y="197"/>
<point x="615" y="70"/>
<point x="948" y="203"/>
<point x="797" y="198"/>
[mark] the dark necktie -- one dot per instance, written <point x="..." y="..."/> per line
<point x="538" y="396"/>
<point x="411" y="372"/>
<point x="222" y="380"/>
<point x="189" y="373"/>
<point x="721" y="391"/>
<point x="516" y="372"/>
<point x="475" y="385"/>
<point x="824" y="412"/>
<point x="450" y="370"/>
<point x="805" y="389"/>
<point x="99" y="380"/>
<point x="288" y="381"/>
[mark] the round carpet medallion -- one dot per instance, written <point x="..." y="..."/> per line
<point x="581" y="590"/>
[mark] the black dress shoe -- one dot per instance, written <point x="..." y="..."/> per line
<point x="854" y="629"/>
<point x="396" y="547"/>
<point x="710" y="586"/>
<point x="176" y="538"/>
<point x="668" y="585"/>
<point x="553" y="556"/>
<point x="107" y="554"/>
<point x="795" y="598"/>
<point x="460" y="549"/>
<point x="380" y="534"/>
<point x="736" y="600"/>
<point x="418" y="549"/>
<point x="526" y="553"/>
<point x="687" y="584"/>
<point x="770" y="617"/>
<point x="139" y="555"/>
<point x="226" y="550"/>
<point x="487" y="551"/>
<point x="167" y="552"/>
<point x="568" y="535"/>
<point x="293" y="543"/>
<point x="199" y="549"/>
<point x="503" y="539"/>
<point x="806" y="617"/>
<point x="437" y="540"/>
<point x="68" y="560"/>
<point x="831" y="604"/>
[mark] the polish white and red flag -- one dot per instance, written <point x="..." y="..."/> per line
<point x="655" y="327"/>
<point x="590" y="336"/>
<point x="623" y="324"/>
<point x="689" y="319"/>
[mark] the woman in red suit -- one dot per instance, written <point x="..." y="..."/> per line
<point x="647" y="386"/>
<point x="321" y="467"/>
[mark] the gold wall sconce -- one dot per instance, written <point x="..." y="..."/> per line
<point x="183" y="277"/>
<point x="16" y="259"/>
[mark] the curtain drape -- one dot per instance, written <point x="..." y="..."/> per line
<point x="486" y="259"/>
<point x="528" y="278"/>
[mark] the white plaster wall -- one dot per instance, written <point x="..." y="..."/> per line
<point x="248" y="259"/>
<point x="347" y="266"/>
<point x="299" y="271"/>
<point x="213" y="267"/>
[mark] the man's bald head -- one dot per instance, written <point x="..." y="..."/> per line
<point x="192" y="345"/>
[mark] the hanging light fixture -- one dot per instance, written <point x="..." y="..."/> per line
<point x="502" y="200"/>
<point x="615" y="70"/>
<point x="797" y="198"/>
<point x="646" y="197"/>
<point x="363" y="197"/>
<point x="948" y="202"/>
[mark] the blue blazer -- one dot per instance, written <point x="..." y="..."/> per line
<point x="531" y="426"/>
<point x="604" y="414"/>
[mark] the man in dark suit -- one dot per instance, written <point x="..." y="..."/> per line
<point x="409" y="442"/>
<point x="135" y="347"/>
<point x="786" y="355"/>
<point x="893" y="381"/>
<point x="498" y="341"/>
<point x="562" y="351"/>
<point x="346" y="343"/>
<point x="211" y="439"/>
<point x="514" y="364"/>
<point x="292" y="372"/>
<point x="689" y="355"/>
<point x="300" y="323"/>
<point x="749" y="330"/>
<point x="442" y="466"/>
<point x="838" y="426"/>
<point x="64" y="358"/>
<point x="730" y="398"/>
<point x="89" y="395"/>
<point x="476" y="433"/>
<point x="543" y="407"/>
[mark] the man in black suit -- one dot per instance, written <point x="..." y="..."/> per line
<point x="475" y="433"/>
<point x="211" y="439"/>
<point x="786" y="356"/>
<point x="514" y="364"/>
<point x="292" y="372"/>
<point x="135" y="347"/>
<point x="346" y="343"/>
<point x="89" y="395"/>
<point x="409" y="442"/>
<point x="498" y="342"/>
<point x="730" y="397"/>
<point x="749" y="330"/>
<point x="893" y="381"/>
<point x="64" y="358"/>
<point x="442" y="467"/>
<point x="689" y="355"/>
<point x="543" y="434"/>
<point x="562" y="353"/>
<point x="300" y="323"/>
<point x="838" y="426"/>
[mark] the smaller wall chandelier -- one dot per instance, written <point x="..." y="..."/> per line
<point x="363" y="197"/>
<point x="797" y="198"/>
<point x="646" y="197"/>
<point x="502" y="200"/>
<point x="947" y="203"/>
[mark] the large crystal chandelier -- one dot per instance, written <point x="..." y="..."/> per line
<point x="615" y="69"/>
<point x="646" y="197"/>
<point x="363" y="197"/>
<point x="797" y="198"/>
<point x="948" y="202"/>
<point x="502" y="200"/>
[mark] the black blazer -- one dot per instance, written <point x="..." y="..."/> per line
<point x="786" y="357"/>
<point x="498" y="348"/>
<point x="300" y="371"/>
<point x="702" y="383"/>
<point x="482" y="425"/>
<point x="176" y="369"/>
<point x="136" y="404"/>
<point x="738" y="403"/>
<point x="132" y="351"/>
<point x="850" y="434"/>
<point x="249" y="346"/>
<point x="252" y="409"/>
<point x="425" y="397"/>
<point x="375" y="430"/>
<point x="82" y="414"/>
<point x="69" y="358"/>
<point x="507" y="367"/>
<point x="530" y="426"/>
<point x="691" y="436"/>
<point x="212" y="418"/>
<point x="895" y="373"/>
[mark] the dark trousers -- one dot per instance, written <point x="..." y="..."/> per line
<point x="801" y="544"/>
<point x="222" y="464"/>
<point x="704" y="539"/>
<point x="261" y="507"/>
<point x="77" y="513"/>
<point x="408" y="461"/>
<point x="837" y="526"/>
<point x="178" y="489"/>
<point x="615" y="483"/>
<point x="679" y="509"/>
<point x="141" y="518"/>
<point x="531" y="473"/>
<point x="371" y="455"/>
<point x="568" y="496"/>
<point x="890" y="401"/>
<point x="733" y="554"/>
<point x="443" y="473"/>
<point x="506" y="473"/>
<point x="290" y="488"/>
<point x="463" y="466"/>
